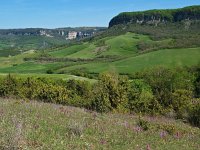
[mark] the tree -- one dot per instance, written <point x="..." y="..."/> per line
<point x="181" y="101"/>
<point x="141" y="98"/>
<point x="111" y="92"/>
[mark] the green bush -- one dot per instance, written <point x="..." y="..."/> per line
<point x="194" y="114"/>
<point x="164" y="82"/>
<point x="169" y="128"/>
<point x="80" y="93"/>
<point x="141" y="98"/>
<point x="196" y="71"/>
<point x="160" y="80"/>
<point x="49" y="71"/>
<point x="145" y="125"/>
<point x="80" y="88"/>
<point x="181" y="101"/>
<point x="9" y="86"/>
<point x="111" y="92"/>
<point x="155" y="91"/>
<point x="53" y="93"/>
<point x="100" y="101"/>
<point x="29" y="88"/>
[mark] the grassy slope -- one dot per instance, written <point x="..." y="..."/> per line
<point x="169" y="58"/>
<point x="33" y="125"/>
<point x="30" y="67"/>
<point x="123" y="46"/>
<point x="67" y="51"/>
<point x="85" y="52"/>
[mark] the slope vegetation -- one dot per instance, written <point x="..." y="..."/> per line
<point x="125" y="53"/>
<point x="33" y="125"/>
<point x="126" y="47"/>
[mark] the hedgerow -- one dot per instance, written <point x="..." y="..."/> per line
<point x="154" y="91"/>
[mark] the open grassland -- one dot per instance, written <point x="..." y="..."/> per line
<point x="34" y="125"/>
<point x="169" y="58"/>
<point x="67" y="51"/>
<point x="30" y="67"/>
<point x="123" y="45"/>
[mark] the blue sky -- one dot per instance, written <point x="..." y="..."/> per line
<point x="74" y="13"/>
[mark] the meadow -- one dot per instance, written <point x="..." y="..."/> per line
<point x="36" y="125"/>
<point x="132" y="86"/>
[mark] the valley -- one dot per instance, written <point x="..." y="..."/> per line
<point x="117" y="52"/>
<point x="132" y="85"/>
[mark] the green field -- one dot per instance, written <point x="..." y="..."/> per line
<point x="132" y="86"/>
<point x="123" y="48"/>
<point x="68" y="51"/>
<point x="34" y="125"/>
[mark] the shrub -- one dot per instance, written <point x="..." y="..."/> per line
<point x="80" y="88"/>
<point x="53" y="93"/>
<point x="181" y="100"/>
<point x="9" y="86"/>
<point x="145" y="125"/>
<point x="1" y="87"/>
<point x="49" y="71"/>
<point x="164" y="82"/>
<point x="197" y="81"/>
<point x="80" y="93"/>
<point x="29" y="88"/>
<point x="101" y="101"/>
<point x="169" y="128"/>
<point x="160" y="80"/>
<point x="194" y="114"/>
<point x="111" y="92"/>
<point x="141" y="98"/>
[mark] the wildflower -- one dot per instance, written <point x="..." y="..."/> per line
<point x="163" y="134"/>
<point x="148" y="147"/>
<point x="103" y="141"/>
<point x="138" y="129"/>
<point x="177" y="135"/>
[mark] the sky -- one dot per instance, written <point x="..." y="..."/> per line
<point x="74" y="13"/>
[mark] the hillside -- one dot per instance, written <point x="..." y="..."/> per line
<point x="135" y="85"/>
<point x="155" y="17"/>
<point x="125" y="48"/>
<point x="34" y="125"/>
<point x="120" y="53"/>
<point x="16" y="41"/>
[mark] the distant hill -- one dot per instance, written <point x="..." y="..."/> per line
<point x="15" y="41"/>
<point x="58" y="32"/>
<point x="157" y="16"/>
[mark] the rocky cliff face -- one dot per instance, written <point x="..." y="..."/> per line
<point x="154" y="17"/>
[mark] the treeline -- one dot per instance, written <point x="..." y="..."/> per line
<point x="157" y="16"/>
<point x="48" y="58"/>
<point x="170" y="92"/>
